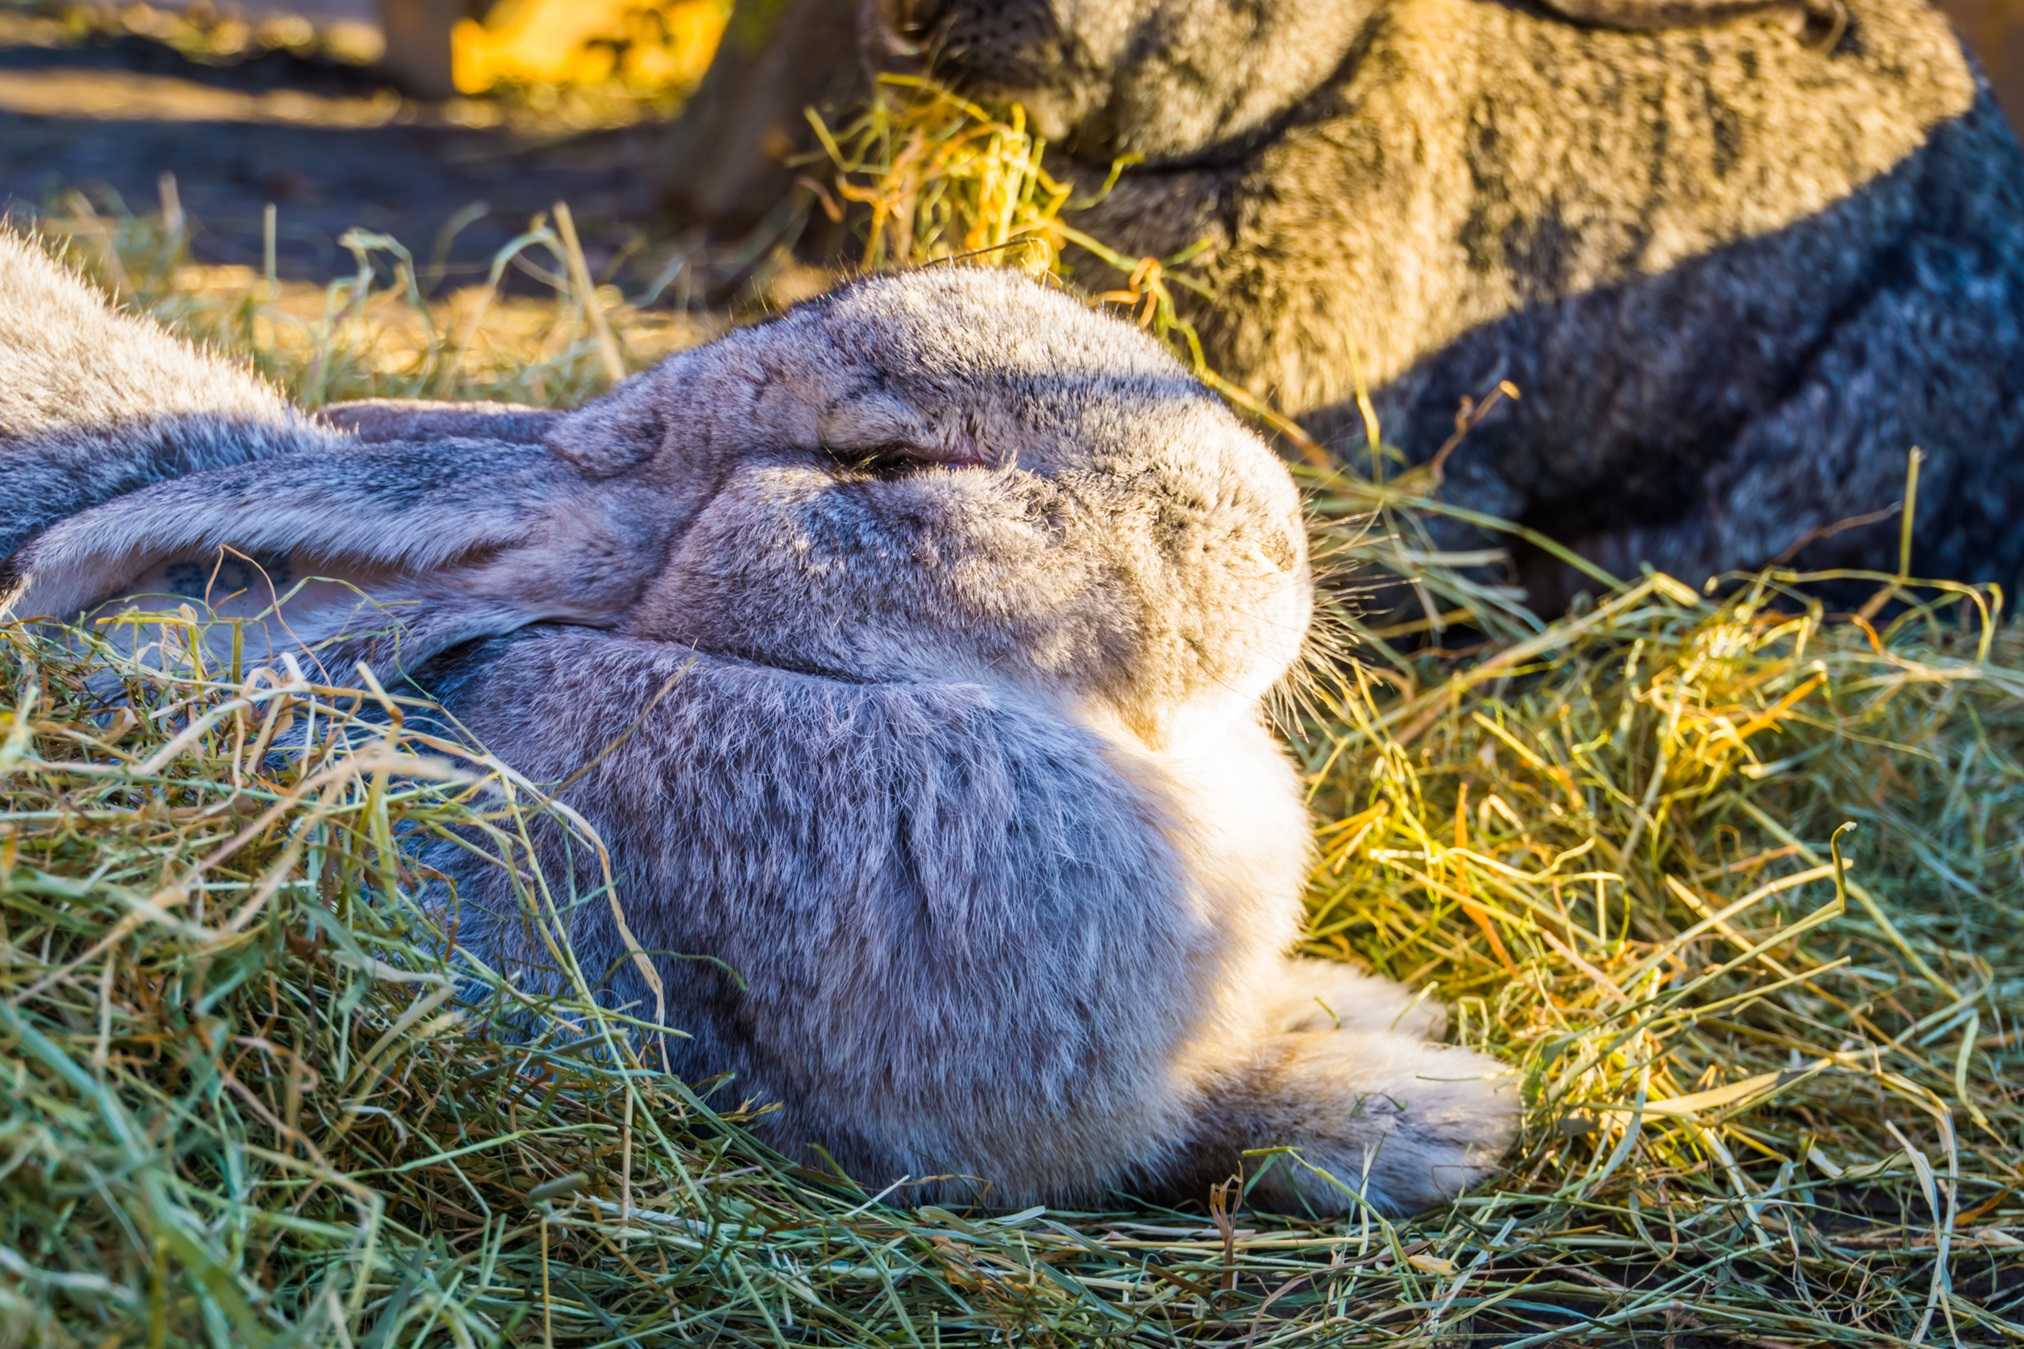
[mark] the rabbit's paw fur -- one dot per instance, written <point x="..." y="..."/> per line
<point x="1316" y="995"/>
<point x="1373" y="1117"/>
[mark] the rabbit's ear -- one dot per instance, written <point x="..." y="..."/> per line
<point x="377" y="420"/>
<point x="390" y="553"/>
<point x="606" y="436"/>
<point x="623" y="429"/>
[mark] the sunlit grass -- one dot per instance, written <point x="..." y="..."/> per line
<point x="372" y="334"/>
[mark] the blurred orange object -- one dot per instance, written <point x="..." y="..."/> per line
<point x="1994" y="30"/>
<point x="643" y="44"/>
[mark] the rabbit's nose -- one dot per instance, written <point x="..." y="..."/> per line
<point x="895" y="32"/>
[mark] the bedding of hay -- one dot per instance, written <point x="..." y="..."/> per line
<point x="1736" y="882"/>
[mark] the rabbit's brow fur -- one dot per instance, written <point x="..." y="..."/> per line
<point x="1736" y="268"/>
<point x="907" y="651"/>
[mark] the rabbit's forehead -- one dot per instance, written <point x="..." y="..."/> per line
<point x="991" y="356"/>
<point x="971" y="322"/>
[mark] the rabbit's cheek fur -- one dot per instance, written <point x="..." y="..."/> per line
<point x="1161" y="600"/>
<point x="922" y="578"/>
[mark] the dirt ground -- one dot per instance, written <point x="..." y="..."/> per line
<point x="323" y="140"/>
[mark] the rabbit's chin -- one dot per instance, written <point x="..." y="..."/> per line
<point x="1189" y="733"/>
<point x="1144" y="723"/>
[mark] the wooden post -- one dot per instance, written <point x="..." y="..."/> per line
<point x="1994" y="30"/>
<point x="723" y="158"/>
<point x="418" y="42"/>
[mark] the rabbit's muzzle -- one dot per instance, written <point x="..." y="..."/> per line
<point x="894" y="33"/>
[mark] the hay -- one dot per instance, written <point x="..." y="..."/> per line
<point x="937" y="178"/>
<point x="1769" y="1061"/>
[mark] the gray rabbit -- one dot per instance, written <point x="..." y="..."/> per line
<point x="907" y="651"/>
<point x="1738" y="259"/>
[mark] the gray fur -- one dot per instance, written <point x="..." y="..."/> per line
<point x="375" y="419"/>
<point x="1737" y="268"/>
<point x="907" y="652"/>
<point x="171" y="410"/>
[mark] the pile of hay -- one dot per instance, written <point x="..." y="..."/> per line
<point x="1769" y="1060"/>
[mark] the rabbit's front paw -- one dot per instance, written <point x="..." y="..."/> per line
<point x="1382" y="1119"/>
<point x="1458" y="1114"/>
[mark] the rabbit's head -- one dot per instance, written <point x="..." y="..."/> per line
<point x="958" y="471"/>
<point x="1171" y="80"/>
<point x="951" y="472"/>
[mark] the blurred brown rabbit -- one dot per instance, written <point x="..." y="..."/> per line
<point x="1739" y="259"/>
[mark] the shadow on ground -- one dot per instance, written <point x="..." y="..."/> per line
<point x="324" y="141"/>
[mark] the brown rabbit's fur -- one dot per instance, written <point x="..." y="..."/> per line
<point x="1737" y="269"/>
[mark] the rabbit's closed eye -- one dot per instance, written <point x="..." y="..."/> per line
<point x="878" y="461"/>
<point x="895" y="459"/>
<point x="879" y="435"/>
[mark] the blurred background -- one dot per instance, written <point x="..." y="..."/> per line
<point x="265" y="134"/>
<point x="265" y="131"/>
